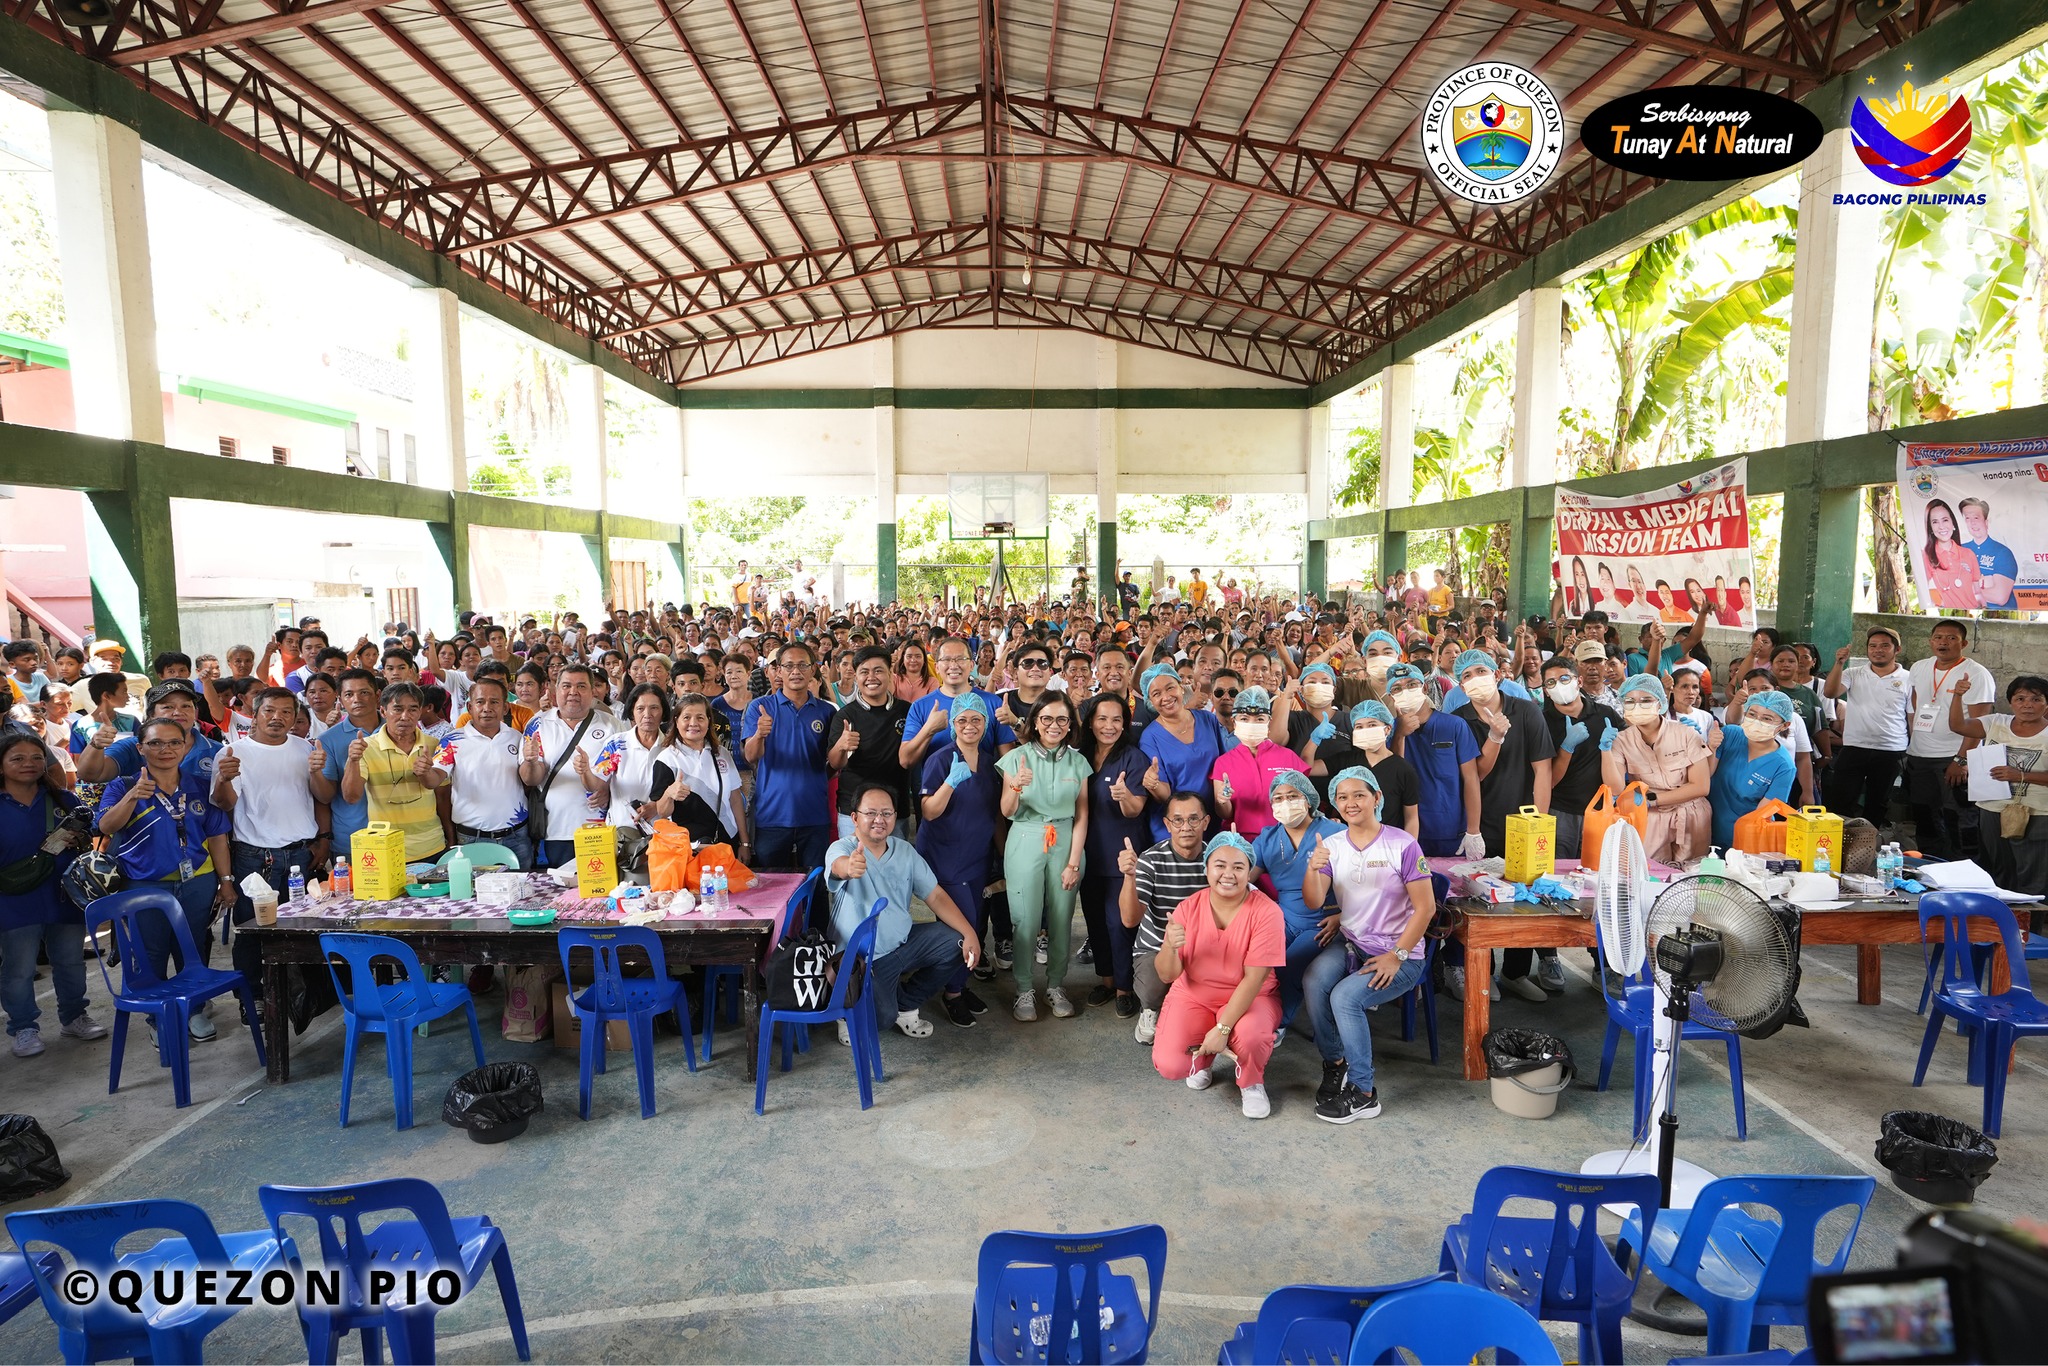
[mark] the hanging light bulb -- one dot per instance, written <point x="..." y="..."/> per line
<point x="85" y="13"/>
<point x="1027" y="277"/>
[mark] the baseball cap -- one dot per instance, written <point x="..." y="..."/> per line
<point x="1589" y="649"/>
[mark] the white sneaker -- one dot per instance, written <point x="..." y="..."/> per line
<point x="1062" y="1008"/>
<point x="28" y="1043"/>
<point x="1026" y="1009"/>
<point x="1148" y="1025"/>
<point x="913" y="1024"/>
<point x="1523" y="987"/>
<point x="845" y="1035"/>
<point x="1454" y="983"/>
<point x="203" y="1028"/>
<point x="1256" y="1106"/>
<point x="1550" y="974"/>
<point x="1200" y="1078"/>
<point x="83" y="1026"/>
<point x="1280" y="1036"/>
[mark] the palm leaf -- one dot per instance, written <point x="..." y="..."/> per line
<point x="1678" y="361"/>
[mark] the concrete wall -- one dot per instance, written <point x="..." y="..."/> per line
<point x="211" y="626"/>
<point x="2004" y="647"/>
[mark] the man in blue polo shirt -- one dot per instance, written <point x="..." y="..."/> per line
<point x="928" y="716"/>
<point x="101" y="760"/>
<point x="360" y="690"/>
<point x="1445" y="756"/>
<point x="1997" y="567"/>
<point x="785" y="741"/>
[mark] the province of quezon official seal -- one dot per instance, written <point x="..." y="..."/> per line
<point x="1492" y="133"/>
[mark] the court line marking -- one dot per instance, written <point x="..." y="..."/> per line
<point x="786" y="1299"/>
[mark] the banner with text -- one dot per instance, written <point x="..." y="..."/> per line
<point x="1976" y="523"/>
<point x="1660" y="555"/>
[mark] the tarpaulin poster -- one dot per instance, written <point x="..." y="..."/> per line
<point x="1661" y="555"/>
<point x="1976" y="523"/>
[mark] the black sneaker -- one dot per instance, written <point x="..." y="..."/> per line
<point x="1086" y="953"/>
<point x="1349" y="1104"/>
<point x="1334" y="1072"/>
<point x="1101" y="994"/>
<point x="1126" y="1005"/>
<point x="958" y="1013"/>
<point x="974" y="1003"/>
<point x="1003" y="953"/>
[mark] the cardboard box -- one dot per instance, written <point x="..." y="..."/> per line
<point x="1532" y="845"/>
<point x="376" y="862"/>
<point x="597" y="860"/>
<point x="569" y="1027"/>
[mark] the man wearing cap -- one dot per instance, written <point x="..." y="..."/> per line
<point x="1589" y="662"/>
<point x="108" y="755"/>
<point x="106" y="657"/>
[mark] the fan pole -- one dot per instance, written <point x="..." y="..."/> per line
<point x="1679" y="1008"/>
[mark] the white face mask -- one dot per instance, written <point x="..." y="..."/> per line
<point x="1377" y="665"/>
<point x="1370" y="736"/>
<point x="1318" y="694"/>
<point x="1250" y="730"/>
<point x="1409" y="701"/>
<point x="1565" y="691"/>
<point x="1481" y="688"/>
<point x="1759" y="730"/>
<point x="1641" y="713"/>
<point x="1290" y="811"/>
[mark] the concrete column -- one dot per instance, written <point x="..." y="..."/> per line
<point x="437" y="386"/>
<point x="103" y="259"/>
<point x="674" y="425"/>
<point x="1539" y="359"/>
<point x="1108" y="468"/>
<point x="1397" y="462"/>
<point x="452" y="541"/>
<point x="1315" y="436"/>
<point x="885" y="474"/>
<point x="589" y="464"/>
<point x="133" y="568"/>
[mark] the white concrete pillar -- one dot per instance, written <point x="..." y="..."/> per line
<point x="1108" y="453"/>
<point x="437" y="386"/>
<point x="589" y="463"/>
<point x="1539" y="362"/>
<point x="1397" y="435"/>
<point x="103" y="260"/>
<point x="885" y="436"/>
<point x="1834" y="295"/>
<point x="1315" y="436"/>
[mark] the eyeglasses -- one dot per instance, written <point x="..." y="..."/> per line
<point x="160" y="744"/>
<point x="1199" y="818"/>
<point x="1060" y="721"/>
<point x="1226" y="693"/>
<point x="876" y="815"/>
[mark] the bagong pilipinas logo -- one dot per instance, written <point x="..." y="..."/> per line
<point x="1492" y="133"/>
<point x="1915" y="138"/>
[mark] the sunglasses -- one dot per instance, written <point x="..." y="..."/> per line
<point x="1226" y="693"/>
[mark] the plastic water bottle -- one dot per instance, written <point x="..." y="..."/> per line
<point x="461" y="886"/>
<point x="722" y="899"/>
<point x="1821" y="863"/>
<point x="295" y="885"/>
<point x="339" y="882"/>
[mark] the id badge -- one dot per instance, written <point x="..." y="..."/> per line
<point x="1923" y="719"/>
<point x="56" y="842"/>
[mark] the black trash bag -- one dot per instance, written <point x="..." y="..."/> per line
<point x="1934" y="1158"/>
<point x="29" y="1164"/>
<point x="494" y="1101"/>
<point x="1512" y="1052"/>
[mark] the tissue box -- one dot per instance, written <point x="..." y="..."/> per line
<point x="1532" y="845"/>
<point x="376" y="861"/>
<point x="597" y="860"/>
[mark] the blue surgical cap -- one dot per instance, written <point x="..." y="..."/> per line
<point x="1473" y="659"/>
<point x="1403" y="672"/>
<point x="1357" y="771"/>
<point x="1772" y="701"/>
<point x="1376" y="710"/>
<point x="1645" y="683"/>
<point x="1228" y="839"/>
<point x="1153" y="675"/>
<point x="968" y="702"/>
<point x="1383" y="638"/>
<point x="1323" y="669"/>
<point x="1288" y="777"/>
<point x="1253" y="698"/>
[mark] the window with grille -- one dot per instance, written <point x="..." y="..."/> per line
<point x="403" y="605"/>
<point x="383" y="453"/>
<point x="229" y="447"/>
<point x="280" y="455"/>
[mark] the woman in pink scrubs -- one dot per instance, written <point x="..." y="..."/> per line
<point x="1221" y="947"/>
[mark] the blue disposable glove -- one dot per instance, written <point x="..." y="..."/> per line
<point x="1574" y="736"/>
<point x="1607" y="739"/>
<point x="959" y="773"/>
<point x="1325" y="731"/>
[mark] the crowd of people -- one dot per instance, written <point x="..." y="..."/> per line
<point x="1241" y="793"/>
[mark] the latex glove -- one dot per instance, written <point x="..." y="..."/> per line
<point x="1472" y="847"/>
<point x="1325" y="731"/>
<point x="1574" y="736"/>
<point x="1607" y="739"/>
<point x="959" y="773"/>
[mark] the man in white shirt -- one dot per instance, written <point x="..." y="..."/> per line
<point x="1934" y="753"/>
<point x="486" y="800"/>
<point x="264" y="779"/>
<point x="1877" y="713"/>
<point x="577" y="793"/>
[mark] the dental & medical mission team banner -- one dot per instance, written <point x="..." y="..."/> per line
<point x="1976" y="523"/>
<point x="1660" y="555"/>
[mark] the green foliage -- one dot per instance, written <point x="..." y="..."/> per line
<point x="31" y="296"/>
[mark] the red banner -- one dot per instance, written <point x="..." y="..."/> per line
<point x="1661" y="555"/>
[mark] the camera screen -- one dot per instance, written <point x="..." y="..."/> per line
<point x="1908" y="1320"/>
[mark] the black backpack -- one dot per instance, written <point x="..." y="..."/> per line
<point x="802" y="970"/>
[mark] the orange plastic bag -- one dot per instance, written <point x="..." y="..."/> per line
<point x="737" y="875"/>
<point x="668" y="857"/>
<point x="1762" y="831"/>
<point x="1604" y="810"/>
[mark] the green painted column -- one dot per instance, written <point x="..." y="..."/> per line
<point x="133" y="567"/>
<point x="682" y="560"/>
<point x="1817" y="553"/>
<point x="1529" y="538"/>
<point x="1315" y="567"/>
<point x="1105" y="566"/>
<point x="885" y="561"/>
<point x="451" y="539"/>
<point x="1393" y="553"/>
<point x="600" y="548"/>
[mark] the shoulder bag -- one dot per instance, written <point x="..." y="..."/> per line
<point x="537" y="797"/>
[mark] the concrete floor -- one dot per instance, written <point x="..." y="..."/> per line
<point x="822" y="1233"/>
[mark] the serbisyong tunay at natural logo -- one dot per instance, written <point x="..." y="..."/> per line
<point x="1492" y="133"/>
<point x="1701" y="132"/>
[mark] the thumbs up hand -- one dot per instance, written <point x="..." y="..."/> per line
<point x="228" y="765"/>
<point x="356" y="748"/>
<point x="1127" y="861"/>
<point x="1152" y="779"/>
<point x="1022" y="779"/>
<point x="530" y="748"/>
<point x="849" y="740"/>
<point x="423" y="757"/>
<point x="857" y="862"/>
<point x="1118" y="788"/>
<point x="1319" y="857"/>
<point x="316" y="761"/>
<point x="765" y="722"/>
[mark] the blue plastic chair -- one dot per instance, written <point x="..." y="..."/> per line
<point x="1307" y="1323"/>
<point x="392" y="1009"/>
<point x="481" y="852"/>
<point x="1746" y="1273"/>
<point x="1424" y="995"/>
<point x="1450" y="1322"/>
<point x="1980" y="958"/>
<point x="89" y="1237"/>
<point x="614" y="996"/>
<point x="168" y="1001"/>
<point x="1636" y="1012"/>
<point x="1033" y="1289"/>
<point x="1775" y="1356"/>
<point x="429" y="1240"/>
<point x="1555" y="1267"/>
<point x="858" y="1015"/>
<point x="729" y="975"/>
<point x="18" y="1280"/>
<point x="1998" y="1019"/>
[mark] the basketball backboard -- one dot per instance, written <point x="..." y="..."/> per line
<point x="999" y="506"/>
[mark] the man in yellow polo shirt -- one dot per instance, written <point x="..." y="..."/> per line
<point x="393" y="766"/>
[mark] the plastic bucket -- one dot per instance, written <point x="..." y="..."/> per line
<point x="1532" y="1095"/>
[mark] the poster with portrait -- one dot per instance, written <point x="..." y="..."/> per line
<point x="1660" y="555"/>
<point x="1976" y="522"/>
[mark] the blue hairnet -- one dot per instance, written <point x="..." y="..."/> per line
<point x="1288" y="777"/>
<point x="1471" y="659"/>
<point x="1376" y="710"/>
<point x="1319" y="669"/>
<point x="1645" y="683"/>
<point x="1357" y="771"/>
<point x="1402" y="672"/>
<point x="1228" y="839"/>
<point x="1253" y="698"/>
<point x="1383" y="637"/>
<point x="968" y="702"/>
<point x="1152" y="675"/>
<point x="1773" y="701"/>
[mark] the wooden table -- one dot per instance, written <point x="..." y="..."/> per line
<point x="741" y="937"/>
<point x="1867" y="925"/>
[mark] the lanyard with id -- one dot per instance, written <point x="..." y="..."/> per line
<point x="1925" y="716"/>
